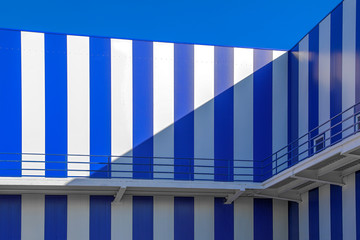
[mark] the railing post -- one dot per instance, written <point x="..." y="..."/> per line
<point x="109" y="167"/>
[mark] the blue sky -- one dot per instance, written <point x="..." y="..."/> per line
<point x="274" y="24"/>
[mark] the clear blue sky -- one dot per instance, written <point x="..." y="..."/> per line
<point x="275" y="24"/>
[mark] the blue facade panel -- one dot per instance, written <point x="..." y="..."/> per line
<point x="10" y="217"/>
<point x="224" y="220"/>
<point x="100" y="217"/>
<point x="183" y="218"/>
<point x="55" y="217"/>
<point x="293" y="220"/>
<point x="263" y="219"/>
<point x="314" y="214"/>
<point x="143" y="215"/>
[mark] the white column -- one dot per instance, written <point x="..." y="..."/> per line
<point x="121" y="219"/>
<point x="349" y="206"/>
<point x="304" y="217"/>
<point x="280" y="220"/>
<point x="163" y="218"/>
<point x="324" y="212"/>
<point x="204" y="218"/>
<point x="78" y="217"/>
<point x="244" y="218"/>
<point x="163" y="90"/>
<point x="121" y="107"/>
<point x="204" y="111"/>
<point x="33" y="102"/>
<point x="32" y="216"/>
<point x="78" y="104"/>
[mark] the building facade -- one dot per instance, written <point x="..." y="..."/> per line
<point x="104" y="138"/>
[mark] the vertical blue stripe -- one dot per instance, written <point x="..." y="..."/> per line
<point x="100" y="106"/>
<point x="184" y="111"/>
<point x="357" y="203"/>
<point x="293" y="105"/>
<point x="313" y="84"/>
<point x="336" y="212"/>
<point x="224" y="114"/>
<point x="10" y="217"/>
<point x="314" y="214"/>
<point x="142" y="109"/>
<point x="183" y="218"/>
<point x="336" y="72"/>
<point x="224" y="220"/>
<point x="263" y="219"/>
<point x="143" y="214"/>
<point x="10" y="102"/>
<point x="100" y="217"/>
<point x="293" y="220"/>
<point x="55" y="217"/>
<point x="262" y="114"/>
<point x="55" y="105"/>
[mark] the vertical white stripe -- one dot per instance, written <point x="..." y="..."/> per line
<point x="121" y="107"/>
<point x="243" y="113"/>
<point x="324" y="212"/>
<point x="78" y="104"/>
<point x="78" y="217"/>
<point x="204" y="111"/>
<point x="324" y="75"/>
<point x="244" y="218"/>
<point x="204" y="218"/>
<point x="243" y="63"/>
<point x="163" y="218"/>
<point x="304" y="217"/>
<point x="121" y="219"/>
<point x="33" y="101"/>
<point x="348" y="63"/>
<point x="280" y="108"/>
<point x="348" y="206"/>
<point x="280" y="220"/>
<point x="32" y="216"/>
<point x="303" y="95"/>
<point x="163" y="91"/>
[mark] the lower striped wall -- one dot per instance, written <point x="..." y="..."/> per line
<point x="326" y="212"/>
<point x="75" y="217"/>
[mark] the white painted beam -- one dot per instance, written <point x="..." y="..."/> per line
<point x="335" y="165"/>
<point x="234" y="196"/>
<point x="119" y="195"/>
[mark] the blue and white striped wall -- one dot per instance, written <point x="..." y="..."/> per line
<point x="81" y="217"/>
<point x="149" y="102"/>
<point x="323" y="76"/>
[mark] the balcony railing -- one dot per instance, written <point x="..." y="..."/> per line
<point x="339" y="127"/>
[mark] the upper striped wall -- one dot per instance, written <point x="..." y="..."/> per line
<point x="172" y="111"/>
<point x="323" y="80"/>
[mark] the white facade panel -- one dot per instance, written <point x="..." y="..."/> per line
<point x="32" y="216"/>
<point x="244" y="218"/>
<point x="324" y="212"/>
<point x="204" y="218"/>
<point x="78" y="217"/>
<point x="163" y="90"/>
<point x="280" y="220"/>
<point x="33" y="102"/>
<point x="163" y="218"/>
<point x="78" y="105"/>
<point x="304" y="217"/>
<point x="204" y="112"/>
<point x="121" y="219"/>
<point x="348" y="208"/>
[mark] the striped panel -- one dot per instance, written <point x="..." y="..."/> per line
<point x="293" y="105"/>
<point x="349" y="216"/>
<point x="262" y="113"/>
<point x="244" y="218"/>
<point x="55" y="217"/>
<point x="163" y="110"/>
<point x="55" y="105"/>
<point x="143" y="218"/>
<point x="336" y="212"/>
<point x="183" y="111"/>
<point x="224" y="113"/>
<point x="280" y="219"/>
<point x="336" y="72"/>
<point x="10" y="217"/>
<point x="163" y="218"/>
<point x="224" y="219"/>
<point x="78" y="217"/>
<point x="183" y="218"/>
<point x="142" y="109"/>
<point x="279" y="109"/>
<point x="204" y="218"/>
<point x="10" y="102"/>
<point x="100" y="217"/>
<point x="121" y="107"/>
<point x="100" y="106"/>
<point x="204" y="112"/>
<point x="304" y="217"/>
<point x="263" y="218"/>
<point x="324" y="212"/>
<point x="122" y="218"/>
<point x="243" y="113"/>
<point x="324" y="77"/>
<point x="314" y="214"/>
<point x="33" y="102"/>
<point x="78" y="105"/>
<point x="293" y="220"/>
<point x="32" y="216"/>
<point x="303" y="94"/>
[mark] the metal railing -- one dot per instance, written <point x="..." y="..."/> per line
<point x="339" y="127"/>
